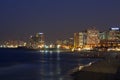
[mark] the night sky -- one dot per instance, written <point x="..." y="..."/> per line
<point x="57" y="19"/>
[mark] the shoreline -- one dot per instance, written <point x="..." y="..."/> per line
<point x="107" y="69"/>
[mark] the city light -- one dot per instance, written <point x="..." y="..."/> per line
<point x="58" y="46"/>
<point x="115" y="28"/>
<point x="89" y="39"/>
<point x="40" y="33"/>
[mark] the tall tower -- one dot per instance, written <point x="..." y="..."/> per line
<point x="40" y="38"/>
<point x="92" y="37"/>
<point x="76" y="40"/>
<point x="79" y="39"/>
<point x="37" y="41"/>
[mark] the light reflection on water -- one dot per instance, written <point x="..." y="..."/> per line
<point x="57" y="68"/>
<point x="26" y="65"/>
<point x="51" y="70"/>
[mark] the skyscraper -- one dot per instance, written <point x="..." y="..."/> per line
<point x="40" y="38"/>
<point x="92" y="37"/>
<point x="37" y="41"/>
<point x="103" y="35"/>
<point x="79" y="39"/>
<point x="114" y="34"/>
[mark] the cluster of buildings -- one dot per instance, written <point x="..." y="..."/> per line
<point x="36" y="41"/>
<point x="85" y="40"/>
<point x="12" y="44"/>
<point x="93" y="38"/>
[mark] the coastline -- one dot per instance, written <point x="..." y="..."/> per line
<point x="107" y="69"/>
<point x="95" y="70"/>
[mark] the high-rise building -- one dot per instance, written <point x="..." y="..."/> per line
<point x="114" y="34"/>
<point x="76" y="40"/>
<point x="92" y="37"/>
<point x="79" y="39"/>
<point x="112" y="39"/>
<point x="37" y="41"/>
<point x="40" y="38"/>
<point x="103" y="35"/>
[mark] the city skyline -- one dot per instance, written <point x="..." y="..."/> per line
<point x="89" y="39"/>
<point x="57" y="19"/>
<point x="48" y="41"/>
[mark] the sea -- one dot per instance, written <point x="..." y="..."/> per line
<point x="20" y="64"/>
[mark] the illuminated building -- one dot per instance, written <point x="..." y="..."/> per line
<point x="112" y="40"/>
<point x="92" y="37"/>
<point x="103" y="35"/>
<point x="79" y="39"/>
<point x="64" y="44"/>
<point x="40" y="38"/>
<point x="110" y="43"/>
<point x="37" y="41"/>
<point x="76" y="40"/>
<point x="71" y="42"/>
<point x="13" y="44"/>
<point x="114" y="34"/>
<point x="59" y="42"/>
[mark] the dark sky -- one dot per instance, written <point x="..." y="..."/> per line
<point x="57" y="19"/>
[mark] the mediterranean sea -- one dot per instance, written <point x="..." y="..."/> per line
<point x="18" y="64"/>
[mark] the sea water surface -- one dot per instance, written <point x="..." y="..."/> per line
<point x="21" y="64"/>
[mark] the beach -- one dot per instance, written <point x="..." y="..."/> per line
<point x="107" y="69"/>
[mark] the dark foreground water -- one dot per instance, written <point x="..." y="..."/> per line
<point x="34" y="65"/>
